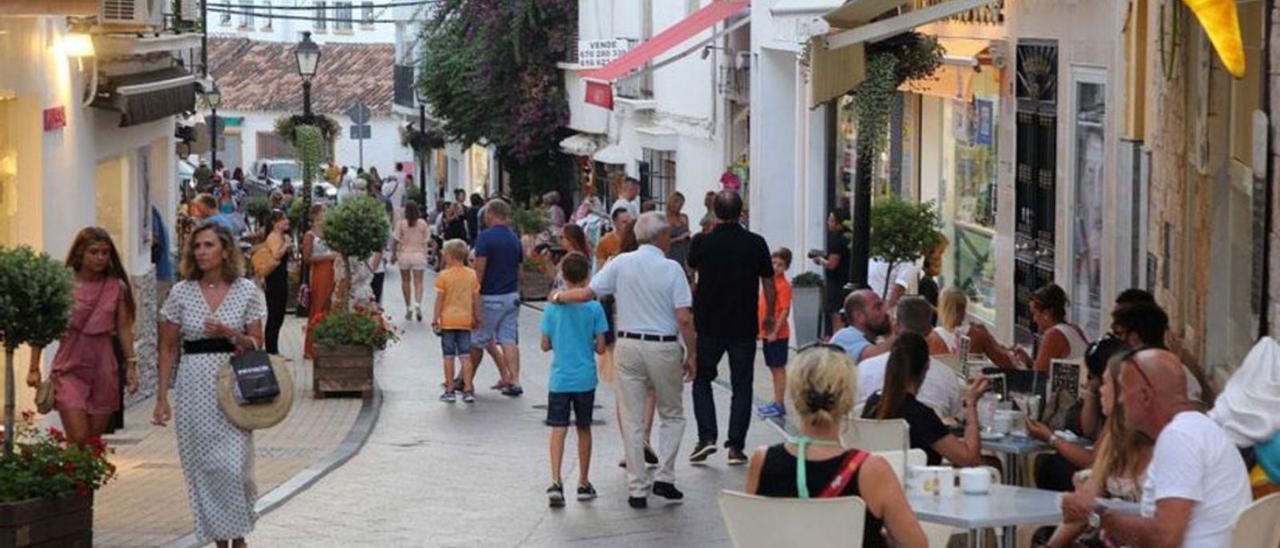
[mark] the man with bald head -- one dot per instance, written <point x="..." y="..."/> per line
<point x="868" y="319"/>
<point x="1196" y="482"/>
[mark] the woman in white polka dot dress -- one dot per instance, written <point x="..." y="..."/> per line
<point x="214" y="311"/>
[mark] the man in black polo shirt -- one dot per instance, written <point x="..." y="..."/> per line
<point x="732" y="264"/>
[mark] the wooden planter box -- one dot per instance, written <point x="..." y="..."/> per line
<point x="342" y="369"/>
<point x="535" y="286"/>
<point x="64" y="522"/>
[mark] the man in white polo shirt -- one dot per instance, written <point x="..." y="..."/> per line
<point x="1196" y="483"/>
<point x="654" y="316"/>
<point x="942" y="390"/>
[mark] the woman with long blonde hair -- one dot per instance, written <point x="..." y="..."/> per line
<point x="822" y="387"/>
<point x="1120" y="462"/>
<point x="953" y="323"/>
<point x="86" y="367"/>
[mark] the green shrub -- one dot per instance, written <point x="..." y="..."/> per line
<point x="357" y="227"/>
<point x="359" y="327"/>
<point x="528" y="220"/>
<point x="258" y="209"/>
<point x="807" y="279"/>
<point x="46" y="466"/>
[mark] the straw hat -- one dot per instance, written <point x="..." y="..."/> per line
<point x="256" y="416"/>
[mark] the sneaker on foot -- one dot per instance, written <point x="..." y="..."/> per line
<point x="468" y="397"/>
<point x="512" y="390"/>
<point x="650" y="457"/>
<point x="448" y="397"/>
<point x="736" y="456"/>
<point x="586" y="492"/>
<point x="555" y="495"/>
<point x="638" y="502"/>
<point x="703" y="450"/>
<point x="667" y="490"/>
<point x="768" y="410"/>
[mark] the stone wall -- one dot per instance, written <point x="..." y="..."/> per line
<point x="145" y="336"/>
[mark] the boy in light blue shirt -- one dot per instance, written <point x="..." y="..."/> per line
<point x="573" y="332"/>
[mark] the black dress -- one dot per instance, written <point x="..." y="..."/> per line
<point x="924" y="426"/>
<point x="778" y="479"/>
<point x="276" y="288"/>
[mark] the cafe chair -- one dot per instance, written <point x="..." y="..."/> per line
<point x="1258" y="524"/>
<point x="875" y="435"/>
<point x="902" y="462"/>
<point x="767" y="522"/>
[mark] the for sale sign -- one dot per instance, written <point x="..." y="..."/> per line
<point x="598" y="53"/>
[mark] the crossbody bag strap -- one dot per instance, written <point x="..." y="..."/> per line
<point x="847" y="470"/>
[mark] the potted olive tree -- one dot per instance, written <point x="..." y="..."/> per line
<point x="46" y="485"/>
<point x="347" y="338"/>
<point x="806" y="306"/>
<point x="901" y="232"/>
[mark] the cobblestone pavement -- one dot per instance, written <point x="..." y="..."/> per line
<point x="147" y="504"/>
<point x="435" y="474"/>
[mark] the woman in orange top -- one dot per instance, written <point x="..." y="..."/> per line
<point x="316" y="252"/>
<point x="776" y="347"/>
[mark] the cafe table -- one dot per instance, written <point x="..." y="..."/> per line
<point x="1017" y="448"/>
<point x="1005" y="507"/>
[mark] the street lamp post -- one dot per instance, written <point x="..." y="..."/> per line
<point x="213" y="98"/>
<point x="422" y="162"/>
<point x="307" y="54"/>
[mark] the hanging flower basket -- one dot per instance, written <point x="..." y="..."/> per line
<point x="285" y="126"/>
<point x="421" y="141"/>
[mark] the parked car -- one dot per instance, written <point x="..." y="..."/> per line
<point x="268" y="175"/>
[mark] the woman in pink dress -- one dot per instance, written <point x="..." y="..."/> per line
<point x="86" y="367"/>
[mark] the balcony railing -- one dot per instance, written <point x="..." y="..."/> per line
<point x="990" y="14"/>
<point x="404" y="86"/>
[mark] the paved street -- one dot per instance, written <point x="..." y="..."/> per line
<point x="147" y="503"/>
<point x="456" y="475"/>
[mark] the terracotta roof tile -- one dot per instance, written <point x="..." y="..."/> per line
<point x="263" y="76"/>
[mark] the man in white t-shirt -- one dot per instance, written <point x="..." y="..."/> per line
<point x="630" y="199"/>
<point x="1196" y="483"/>
<point x="903" y="276"/>
<point x="942" y="390"/>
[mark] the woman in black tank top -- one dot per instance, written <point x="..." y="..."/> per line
<point x="821" y="383"/>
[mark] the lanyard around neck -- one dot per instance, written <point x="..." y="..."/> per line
<point x="802" y="478"/>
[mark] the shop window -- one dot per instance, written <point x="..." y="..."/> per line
<point x="1090" y="116"/>
<point x="8" y="176"/>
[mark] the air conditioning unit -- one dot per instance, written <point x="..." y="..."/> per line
<point x="132" y="13"/>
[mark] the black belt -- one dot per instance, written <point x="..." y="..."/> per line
<point x="208" y="346"/>
<point x="647" y="337"/>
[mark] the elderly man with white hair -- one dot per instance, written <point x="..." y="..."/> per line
<point x="654" y="317"/>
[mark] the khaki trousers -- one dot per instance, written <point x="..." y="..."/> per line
<point x="658" y="364"/>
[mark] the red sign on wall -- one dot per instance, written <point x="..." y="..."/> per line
<point x="55" y="118"/>
<point x="600" y="94"/>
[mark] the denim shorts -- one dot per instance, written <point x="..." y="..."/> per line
<point x="499" y="324"/>
<point x="559" y="403"/>
<point x="455" y="342"/>
<point x="776" y="353"/>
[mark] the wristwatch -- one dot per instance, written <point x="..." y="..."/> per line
<point x="1095" y="517"/>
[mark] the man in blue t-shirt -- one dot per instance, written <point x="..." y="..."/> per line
<point x="574" y="332"/>
<point x="868" y="320"/>
<point x="497" y="264"/>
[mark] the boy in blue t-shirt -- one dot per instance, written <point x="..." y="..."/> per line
<point x="574" y="331"/>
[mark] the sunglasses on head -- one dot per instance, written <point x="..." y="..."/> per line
<point x="820" y="345"/>
<point x="1128" y="356"/>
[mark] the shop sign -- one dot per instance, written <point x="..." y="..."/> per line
<point x="55" y="118"/>
<point x="598" y="53"/>
<point x="985" y="121"/>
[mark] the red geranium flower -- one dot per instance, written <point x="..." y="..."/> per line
<point x="57" y="434"/>
<point x="69" y="468"/>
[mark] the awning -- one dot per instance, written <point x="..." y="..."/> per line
<point x="804" y="8"/>
<point x="148" y="96"/>
<point x="580" y="144"/>
<point x="612" y="154"/>
<point x="697" y="22"/>
<point x="839" y="60"/>
<point x="857" y="16"/>
<point x="962" y="51"/>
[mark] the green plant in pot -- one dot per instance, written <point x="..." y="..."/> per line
<point x="46" y="485"/>
<point x="347" y="337"/>
<point x="528" y="220"/>
<point x="902" y="232"/>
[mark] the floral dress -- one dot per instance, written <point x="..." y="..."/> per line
<point x="217" y="456"/>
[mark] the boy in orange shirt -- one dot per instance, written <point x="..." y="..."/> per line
<point x="776" y="348"/>
<point x="458" y="306"/>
